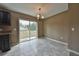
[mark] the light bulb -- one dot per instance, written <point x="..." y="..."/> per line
<point x="42" y="17"/>
<point x="38" y="15"/>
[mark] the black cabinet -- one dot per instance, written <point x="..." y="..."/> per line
<point x="4" y="18"/>
<point x="4" y="43"/>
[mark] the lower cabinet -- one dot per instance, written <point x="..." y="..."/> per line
<point x="4" y="43"/>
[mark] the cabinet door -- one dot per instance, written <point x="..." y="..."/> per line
<point x="6" y="18"/>
<point x="5" y="45"/>
<point x="0" y="42"/>
<point x="4" y="41"/>
<point x="0" y="17"/>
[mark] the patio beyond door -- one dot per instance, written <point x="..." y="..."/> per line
<point x="27" y="30"/>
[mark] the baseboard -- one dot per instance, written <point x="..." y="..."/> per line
<point x="57" y="41"/>
<point x="75" y="52"/>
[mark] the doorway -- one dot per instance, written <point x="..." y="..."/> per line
<point x="27" y="30"/>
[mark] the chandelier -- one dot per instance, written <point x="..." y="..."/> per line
<point x="39" y="15"/>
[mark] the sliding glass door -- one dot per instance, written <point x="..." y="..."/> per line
<point x="33" y="29"/>
<point x="23" y="30"/>
<point x="27" y="30"/>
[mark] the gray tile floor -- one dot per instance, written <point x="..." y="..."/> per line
<point x="38" y="47"/>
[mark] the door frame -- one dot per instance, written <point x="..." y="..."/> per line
<point x="19" y="30"/>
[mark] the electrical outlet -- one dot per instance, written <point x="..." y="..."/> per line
<point x="14" y="29"/>
<point x="61" y="37"/>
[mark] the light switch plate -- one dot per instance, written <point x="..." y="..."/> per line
<point x="73" y="29"/>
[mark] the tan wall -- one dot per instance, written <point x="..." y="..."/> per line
<point x="61" y="24"/>
<point x="57" y="27"/>
<point x="40" y="28"/>
<point x="74" y="22"/>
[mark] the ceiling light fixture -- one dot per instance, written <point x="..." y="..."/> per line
<point x="39" y="15"/>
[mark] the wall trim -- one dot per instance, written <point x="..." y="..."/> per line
<point x="57" y="41"/>
<point x="73" y="51"/>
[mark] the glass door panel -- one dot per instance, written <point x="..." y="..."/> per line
<point x="23" y="30"/>
<point x="33" y="29"/>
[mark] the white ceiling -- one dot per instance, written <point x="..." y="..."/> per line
<point x="47" y="9"/>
